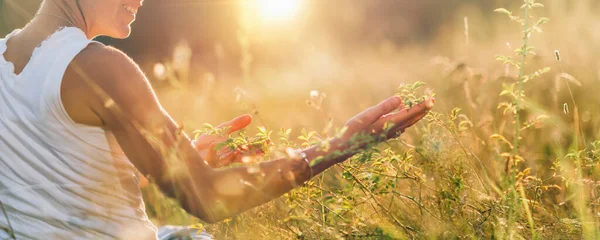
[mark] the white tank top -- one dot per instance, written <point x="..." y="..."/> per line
<point x="60" y="179"/>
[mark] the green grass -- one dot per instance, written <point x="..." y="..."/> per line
<point x="500" y="157"/>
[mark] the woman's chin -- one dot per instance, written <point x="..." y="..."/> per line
<point x="122" y="32"/>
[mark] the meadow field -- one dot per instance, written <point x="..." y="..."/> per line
<point x="510" y="151"/>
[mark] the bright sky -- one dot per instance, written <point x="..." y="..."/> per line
<point x="274" y="11"/>
<point x="279" y="10"/>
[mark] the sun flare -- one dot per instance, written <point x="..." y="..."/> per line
<point x="278" y="10"/>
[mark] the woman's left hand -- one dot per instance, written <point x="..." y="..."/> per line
<point x="207" y="144"/>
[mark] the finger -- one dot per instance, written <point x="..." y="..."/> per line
<point x="401" y="118"/>
<point x="233" y="125"/>
<point x="244" y="149"/>
<point x="236" y="123"/>
<point x="224" y="150"/>
<point x="401" y="107"/>
<point x="397" y="130"/>
<point x="416" y="110"/>
<point x="251" y="152"/>
<point x="247" y="157"/>
<point x="211" y="156"/>
<point x="372" y="114"/>
<point x="204" y="141"/>
<point x="242" y="158"/>
<point x="423" y="106"/>
<point x="407" y="116"/>
<point x="415" y="120"/>
<point x="227" y="159"/>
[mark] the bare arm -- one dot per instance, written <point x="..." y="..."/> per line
<point x="121" y="97"/>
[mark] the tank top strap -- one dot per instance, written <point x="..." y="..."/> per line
<point x="52" y="59"/>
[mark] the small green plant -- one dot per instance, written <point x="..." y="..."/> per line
<point x="260" y="141"/>
<point x="516" y="93"/>
<point x="409" y="95"/>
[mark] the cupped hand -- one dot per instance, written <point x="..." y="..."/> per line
<point x="383" y="121"/>
<point x="207" y="145"/>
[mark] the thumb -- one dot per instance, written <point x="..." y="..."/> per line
<point x="211" y="155"/>
<point x="237" y="123"/>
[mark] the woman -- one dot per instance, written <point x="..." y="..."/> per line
<point x="78" y="119"/>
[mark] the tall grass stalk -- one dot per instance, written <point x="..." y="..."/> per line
<point x="524" y="50"/>
<point x="512" y="170"/>
<point x="589" y="232"/>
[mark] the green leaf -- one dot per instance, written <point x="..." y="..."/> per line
<point x="454" y="113"/>
<point x="502" y="58"/>
<point x="262" y="129"/>
<point x="417" y="85"/>
<point x="505" y="92"/>
<point x="542" y="21"/>
<point x="503" y="11"/>
<point x="537" y="5"/>
<point x="501" y="138"/>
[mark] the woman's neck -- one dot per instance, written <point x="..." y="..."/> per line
<point x="51" y="17"/>
<point x="40" y="28"/>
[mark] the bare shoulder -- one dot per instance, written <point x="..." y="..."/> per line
<point x="110" y="82"/>
<point x="98" y="50"/>
<point x="105" y="62"/>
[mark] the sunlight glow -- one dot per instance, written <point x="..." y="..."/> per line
<point x="278" y="10"/>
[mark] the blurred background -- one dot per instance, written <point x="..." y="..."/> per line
<point x="315" y="63"/>
<point x="204" y="23"/>
<point x="290" y="45"/>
